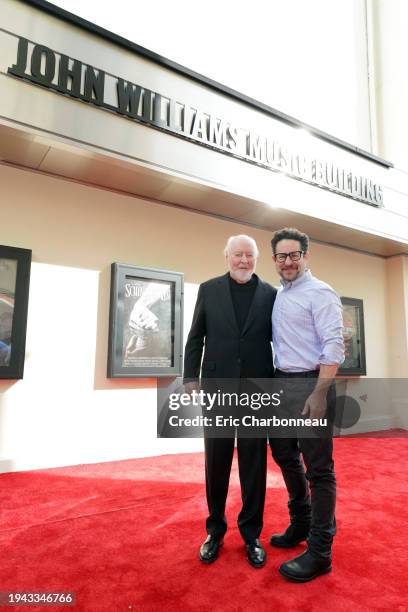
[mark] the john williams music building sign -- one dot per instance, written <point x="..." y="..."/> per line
<point x="43" y="66"/>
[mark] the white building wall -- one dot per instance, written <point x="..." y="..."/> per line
<point x="390" y="23"/>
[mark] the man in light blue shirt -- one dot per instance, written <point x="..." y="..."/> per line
<point x="308" y="344"/>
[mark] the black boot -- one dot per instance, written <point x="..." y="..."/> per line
<point x="291" y="537"/>
<point x="305" y="567"/>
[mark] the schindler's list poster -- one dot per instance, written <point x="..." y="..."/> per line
<point x="147" y="333"/>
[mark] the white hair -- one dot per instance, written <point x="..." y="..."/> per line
<point x="232" y="239"/>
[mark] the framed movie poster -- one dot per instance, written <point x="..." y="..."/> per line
<point x="354" y="341"/>
<point x="15" y="267"/>
<point x="145" y="322"/>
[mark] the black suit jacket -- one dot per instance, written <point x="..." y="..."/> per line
<point x="229" y="353"/>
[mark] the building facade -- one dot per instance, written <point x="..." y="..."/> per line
<point x="112" y="154"/>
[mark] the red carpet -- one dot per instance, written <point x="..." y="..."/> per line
<point x="125" y="535"/>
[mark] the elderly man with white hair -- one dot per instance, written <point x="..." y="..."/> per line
<point x="232" y="326"/>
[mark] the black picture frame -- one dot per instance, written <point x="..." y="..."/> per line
<point x="145" y="322"/>
<point x="15" y="267"/>
<point x="354" y="338"/>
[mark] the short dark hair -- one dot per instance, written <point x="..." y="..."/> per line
<point x="290" y="233"/>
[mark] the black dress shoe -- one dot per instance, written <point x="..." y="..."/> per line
<point x="292" y="536"/>
<point x="256" y="554"/>
<point x="210" y="548"/>
<point x="305" y="568"/>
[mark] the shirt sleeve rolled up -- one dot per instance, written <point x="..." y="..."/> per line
<point x="328" y="322"/>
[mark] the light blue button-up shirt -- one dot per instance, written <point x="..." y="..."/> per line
<point x="307" y="325"/>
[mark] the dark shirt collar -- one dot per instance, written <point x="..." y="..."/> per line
<point x="252" y="281"/>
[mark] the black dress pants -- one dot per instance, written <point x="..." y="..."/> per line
<point x="315" y="508"/>
<point x="252" y="474"/>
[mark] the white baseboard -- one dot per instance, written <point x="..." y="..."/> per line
<point x="367" y="424"/>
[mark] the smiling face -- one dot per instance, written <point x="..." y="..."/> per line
<point x="290" y="270"/>
<point x="241" y="259"/>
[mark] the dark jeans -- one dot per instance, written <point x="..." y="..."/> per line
<point x="315" y="508"/>
<point x="252" y="474"/>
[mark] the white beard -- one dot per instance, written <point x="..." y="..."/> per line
<point x="241" y="276"/>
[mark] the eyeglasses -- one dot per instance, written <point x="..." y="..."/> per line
<point x="294" y="256"/>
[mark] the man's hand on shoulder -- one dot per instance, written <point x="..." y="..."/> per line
<point x="190" y="387"/>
